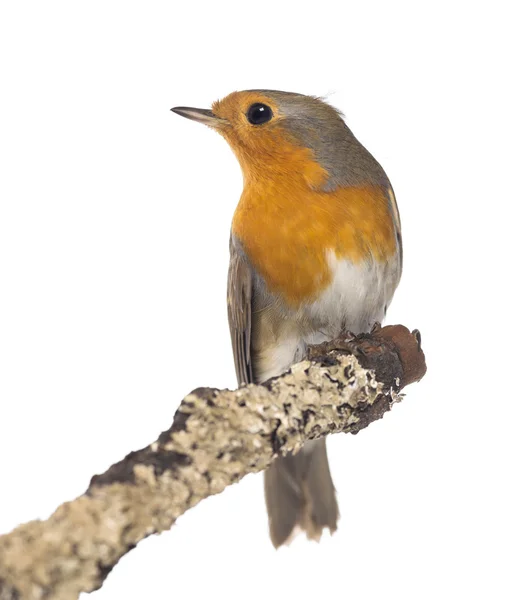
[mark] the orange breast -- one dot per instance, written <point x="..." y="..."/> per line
<point x="286" y="229"/>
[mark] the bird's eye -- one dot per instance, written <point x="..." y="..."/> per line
<point x="259" y="113"/>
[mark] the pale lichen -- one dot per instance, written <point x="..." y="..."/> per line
<point x="218" y="436"/>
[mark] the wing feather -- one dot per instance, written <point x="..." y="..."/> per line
<point x="239" y="311"/>
<point x="396" y="221"/>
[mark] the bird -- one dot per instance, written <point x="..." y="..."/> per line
<point x="315" y="250"/>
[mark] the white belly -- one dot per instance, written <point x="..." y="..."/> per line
<point x="356" y="298"/>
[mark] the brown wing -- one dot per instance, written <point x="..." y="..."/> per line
<point x="239" y="311"/>
<point x="396" y="221"/>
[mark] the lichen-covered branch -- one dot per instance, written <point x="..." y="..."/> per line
<point x="217" y="437"/>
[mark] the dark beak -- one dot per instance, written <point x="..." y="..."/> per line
<point x="202" y="115"/>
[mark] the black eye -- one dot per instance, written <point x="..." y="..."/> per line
<point x="259" y="113"/>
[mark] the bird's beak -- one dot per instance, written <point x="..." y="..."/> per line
<point x="202" y="115"/>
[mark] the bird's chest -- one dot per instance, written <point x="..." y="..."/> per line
<point x="310" y="247"/>
<point x="286" y="248"/>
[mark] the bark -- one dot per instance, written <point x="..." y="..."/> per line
<point x="217" y="437"/>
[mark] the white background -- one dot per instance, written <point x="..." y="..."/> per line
<point x="114" y="225"/>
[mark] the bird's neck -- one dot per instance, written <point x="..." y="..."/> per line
<point x="279" y="164"/>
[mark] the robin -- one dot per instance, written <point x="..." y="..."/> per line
<point x="315" y="250"/>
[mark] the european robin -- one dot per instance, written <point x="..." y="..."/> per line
<point x="315" y="250"/>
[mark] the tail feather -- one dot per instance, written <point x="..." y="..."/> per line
<point x="299" y="492"/>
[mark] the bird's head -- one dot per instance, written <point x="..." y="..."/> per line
<point x="276" y="133"/>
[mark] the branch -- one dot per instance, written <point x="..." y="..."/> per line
<point x="217" y="437"/>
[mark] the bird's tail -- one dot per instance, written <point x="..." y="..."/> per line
<point x="299" y="492"/>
